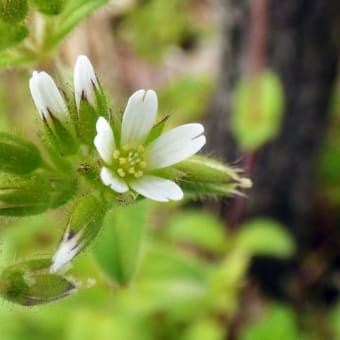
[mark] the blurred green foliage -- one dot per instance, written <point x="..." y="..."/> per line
<point x="258" y="108"/>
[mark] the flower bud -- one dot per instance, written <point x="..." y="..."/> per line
<point x="50" y="7"/>
<point x="89" y="98"/>
<point x="29" y="283"/>
<point x="202" y="175"/>
<point x="18" y="155"/>
<point x="82" y="227"/>
<point x="13" y="11"/>
<point x="53" y="111"/>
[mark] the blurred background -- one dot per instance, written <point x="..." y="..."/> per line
<point x="262" y="77"/>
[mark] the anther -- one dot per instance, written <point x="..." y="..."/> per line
<point x="121" y="172"/>
<point x="116" y="154"/>
<point x="138" y="174"/>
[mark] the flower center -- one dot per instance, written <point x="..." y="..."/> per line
<point x="129" y="162"/>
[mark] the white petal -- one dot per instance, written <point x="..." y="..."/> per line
<point x="47" y="97"/>
<point x="84" y="80"/>
<point x="139" y="117"/>
<point x="67" y="250"/>
<point x="175" y="146"/>
<point x="104" y="140"/>
<point x="157" y="188"/>
<point x="111" y="180"/>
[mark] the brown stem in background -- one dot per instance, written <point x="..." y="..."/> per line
<point x="256" y="63"/>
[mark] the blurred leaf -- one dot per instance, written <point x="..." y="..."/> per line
<point x="13" y="11"/>
<point x="11" y="34"/>
<point x="155" y="19"/>
<point x="264" y="237"/>
<point x="258" y="108"/>
<point x="279" y="323"/>
<point x="172" y="281"/>
<point x="73" y="13"/>
<point x="118" y="249"/>
<point x="198" y="228"/>
<point x="191" y="95"/>
<point x="206" y="329"/>
<point x="51" y="7"/>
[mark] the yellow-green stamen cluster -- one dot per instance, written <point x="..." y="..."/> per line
<point x="128" y="162"/>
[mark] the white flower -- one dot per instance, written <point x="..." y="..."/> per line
<point x="47" y="97"/>
<point x="85" y="81"/>
<point x="128" y="162"/>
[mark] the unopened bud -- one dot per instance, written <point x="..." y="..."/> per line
<point x="29" y="283"/>
<point x="82" y="227"/>
<point x="18" y="155"/>
<point x="203" y="175"/>
<point x="53" y="111"/>
<point x="89" y="98"/>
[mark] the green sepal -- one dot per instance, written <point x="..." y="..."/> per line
<point x="18" y="155"/>
<point x="156" y="130"/>
<point x="50" y="7"/>
<point x="33" y="194"/>
<point x="29" y="283"/>
<point x="53" y="148"/>
<point x="11" y="34"/>
<point x="209" y="189"/>
<point x="206" y="176"/>
<point x="82" y="227"/>
<point x="87" y="120"/>
<point x="200" y="168"/>
<point x="13" y="11"/>
<point x="63" y="137"/>
<point x="101" y="101"/>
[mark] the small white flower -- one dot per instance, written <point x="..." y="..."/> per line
<point x="127" y="162"/>
<point x="47" y="97"/>
<point x="85" y="81"/>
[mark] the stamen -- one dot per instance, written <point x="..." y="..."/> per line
<point x="121" y="172"/>
<point x="138" y="174"/>
<point x="116" y="154"/>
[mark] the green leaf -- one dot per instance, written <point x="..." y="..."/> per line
<point x="264" y="237"/>
<point x="118" y="251"/>
<point x="18" y="155"/>
<point x="197" y="228"/>
<point x="278" y="323"/>
<point x="11" y="34"/>
<point x="258" y="108"/>
<point x="205" y="329"/>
